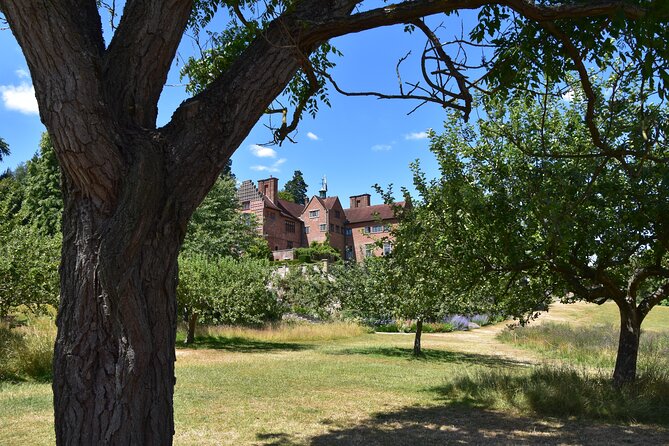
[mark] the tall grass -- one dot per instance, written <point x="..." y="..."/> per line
<point x="26" y="352"/>
<point x="287" y="332"/>
<point x="594" y="346"/>
<point x="565" y="392"/>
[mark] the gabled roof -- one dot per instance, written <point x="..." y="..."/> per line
<point x="371" y="213"/>
<point x="293" y="209"/>
<point x="329" y="202"/>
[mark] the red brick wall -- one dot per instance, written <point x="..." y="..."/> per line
<point x="269" y="188"/>
<point x="360" y="238"/>
<point x="275" y="231"/>
<point x="333" y="219"/>
<point x="315" y="234"/>
<point x="359" y="201"/>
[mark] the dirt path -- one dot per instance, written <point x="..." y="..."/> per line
<point x="484" y="340"/>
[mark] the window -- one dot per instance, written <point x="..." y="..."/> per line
<point x="348" y="253"/>
<point x="376" y="229"/>
<point x="387" y="248"/>
<point x="290" y="245"/>
<point x="369" y="250"/>
<point x="337" y="229"/>
<point x="337" y="214"/>
<point x="290" y="226"/>
<point x="247" y="219"/>
<point x="331" y="227"/>
<point x="246" y="205"/>
<point x="323" y="227"/>
<point x="386" y="228"/>
<point x="348" y="231"/>
<point x="313" y="214"/>
<point x="306" y="229"/>
<point x="366" y="229"/>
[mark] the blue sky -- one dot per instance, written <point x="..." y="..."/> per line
<point x="356" y="143"/>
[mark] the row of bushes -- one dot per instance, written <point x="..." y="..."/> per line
<point x="449" y="324"/>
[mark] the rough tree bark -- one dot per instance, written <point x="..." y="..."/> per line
<point x="628" y="346"/>
<point x="129" y="188"/>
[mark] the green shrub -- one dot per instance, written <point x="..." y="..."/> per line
<point x="26" y="353"/>
<point x="227" y="291"/>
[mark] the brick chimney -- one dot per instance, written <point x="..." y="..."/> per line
<point x="360" y="201"/>
<point x="269" y="188"/>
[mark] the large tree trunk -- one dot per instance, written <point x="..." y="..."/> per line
<point x="628" y="346"/>
<point x="114" y="355"/>
<point x="416" y="341"/>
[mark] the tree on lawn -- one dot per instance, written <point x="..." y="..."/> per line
<point x="130" y="187"/>
<point x="295" y="189"/>
<point x="535" y="212"/>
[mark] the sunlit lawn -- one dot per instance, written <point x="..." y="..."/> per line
<point x="283" y="388"/>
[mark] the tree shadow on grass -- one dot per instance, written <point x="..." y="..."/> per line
<point x="276" y="439"/>
<point x="562" y="407"/>
<point x="430" y="355"/>
<point x="564" y="392"/>
<point x="241" y="345"/>
<point x="456" y="424"/>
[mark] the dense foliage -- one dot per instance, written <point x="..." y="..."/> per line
<point x="295" y="189"/>
<point x="530" y="210"/>
<point x="226" y="290"/>
<point x="218" y="229"/>
<point x="30" y="240"/>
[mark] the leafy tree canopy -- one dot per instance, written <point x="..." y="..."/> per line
<point x="295" y="189"/>
<point x="529" y="208"/>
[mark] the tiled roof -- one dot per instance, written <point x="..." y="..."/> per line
<point x="329" y="202"/>
<point x="371" y="213"/>
<point x="293" y="209"/>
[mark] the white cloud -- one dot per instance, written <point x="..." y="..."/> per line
<point x="262" y="152"/>
<point x="381" y="147"/>
<point x="568" y="96"/>
<point x="19" y="98"/>
<point x="415" y="135"/>
<point x="312" y="136"/>
<point x="273" y="168"/>
<point x="22" y="74"/>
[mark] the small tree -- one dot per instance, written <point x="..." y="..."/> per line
<point x="533" y="209"/>
<point x="226" y="291"/>
<point x="28" y="270"/>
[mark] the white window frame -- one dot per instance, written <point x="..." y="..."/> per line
<point x="314" y="213"/>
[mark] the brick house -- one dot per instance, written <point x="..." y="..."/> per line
<point x="367" y="225"/>
<point x="278" y="220"/>
<point x="286" y="225"/>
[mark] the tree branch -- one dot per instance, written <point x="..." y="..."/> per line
<point x="641" y="274"/>
<point x="64" y="57"/>
<point x="140" y="55"/>
<point x="407" y="11"/>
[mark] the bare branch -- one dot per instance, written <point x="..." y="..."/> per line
<point x="641" y="274"/>
<point x="407" y="11"/>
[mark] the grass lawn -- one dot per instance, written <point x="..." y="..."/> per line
<point x="347" y="387"/>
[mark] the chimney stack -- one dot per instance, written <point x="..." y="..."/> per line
<point x="360" y="201"/>
<point x="269" y="188"/>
